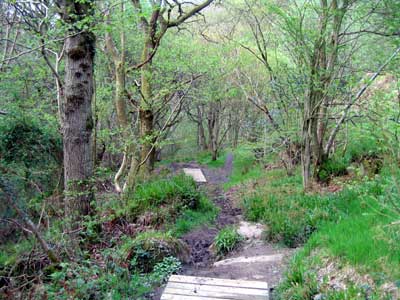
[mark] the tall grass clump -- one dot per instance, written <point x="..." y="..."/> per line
<point x="165" y="197"/>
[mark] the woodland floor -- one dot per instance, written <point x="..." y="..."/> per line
<point x="255" y="259"/>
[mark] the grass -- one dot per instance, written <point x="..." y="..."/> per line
<point x="190" y="219"/>
<point x="164" y="198"/>
<point x="227" y="240"/>
<point x="245" y="166"/>
<point x="204" y="158"/>
<point x="351" y="226"/>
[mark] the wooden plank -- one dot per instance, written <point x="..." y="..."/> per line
<point x="249" y="260"/>
<point x="223" y="295"/>
<point x="220" y="282"/>
<point x="191" y="287"/>
<point x="196" y="174"/>
<point x="181" y="297"/>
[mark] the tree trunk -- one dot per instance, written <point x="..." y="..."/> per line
<point x="213" y="130"/>
<point x="202" y="141"/>
<point x="77" y="110"/>
<point x="306" y="144"/>
<point x="202" y="137"/>
<point x="78" y="123"/>
<point x="146" y="115"/>
<point x="147" y="153"/>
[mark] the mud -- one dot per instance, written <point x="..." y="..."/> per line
<point x="201" y="239"/>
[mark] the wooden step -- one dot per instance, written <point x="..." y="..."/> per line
<point x="204" y="288"/>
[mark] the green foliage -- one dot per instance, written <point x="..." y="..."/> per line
<point x="30" y="156"/>
<point x="227" y="240"/>
<point x="245" y="166"/>
<point x="335" y="166"/>
<point x="149" y="248"/>
<point x="164" y="197"/>
<point x="24" y="140"/>
<point x="88" y="280"/>
<point x="10" y="253"/>
<point x="205" y="214"/>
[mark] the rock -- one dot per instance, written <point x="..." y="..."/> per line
<point x="319" y="297"/>
<point x="250" y="230"/>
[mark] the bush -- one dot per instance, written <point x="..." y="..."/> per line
<point x="335" y="166"/>
<point x="227" y="240"/>
<point x="30" y="157"/>
<point x="150" y="248"/>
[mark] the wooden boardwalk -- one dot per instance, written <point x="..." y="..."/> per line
<point x="202" y="288"/>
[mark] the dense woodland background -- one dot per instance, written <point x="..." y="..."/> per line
<point x="98" y="98"/>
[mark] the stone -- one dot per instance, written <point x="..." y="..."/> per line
<point x="250" y="230"/>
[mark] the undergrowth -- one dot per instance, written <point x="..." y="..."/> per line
<point x="115" y="264"/>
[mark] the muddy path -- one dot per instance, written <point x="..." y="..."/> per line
<point x="201" y="239"/>
<point x="255" y="259"/>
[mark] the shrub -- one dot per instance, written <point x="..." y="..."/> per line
<point x="335" y="166"/>
<point x="150" y="248"/>
<point x="227" y="240"/>
<point x="30" y="158"/>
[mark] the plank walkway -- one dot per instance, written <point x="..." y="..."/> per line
<point x="203" y="288"/>
<point x="195" y="173"/>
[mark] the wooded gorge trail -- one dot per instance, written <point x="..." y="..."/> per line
<point x="254" y="259"/>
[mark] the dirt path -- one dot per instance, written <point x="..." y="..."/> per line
<point x="254" y="260"/>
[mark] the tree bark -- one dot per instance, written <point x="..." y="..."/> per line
<point x="146" y="115"/>
<point x="77" y="110"/>
<point x="201" y="132"/>
<point x="214" y="128"/>
<point x="120" y="100"/>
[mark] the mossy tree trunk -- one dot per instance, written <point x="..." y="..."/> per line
<point x="120" y="101"/>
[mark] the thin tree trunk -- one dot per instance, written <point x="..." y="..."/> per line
<point x="146" y="115"/>
<point x="120" y="101"/>
<point x="346" y="110"/>
<point x="146" y="133"/>
<point x="200" y="128"/>
<point x="306" y="144"/>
